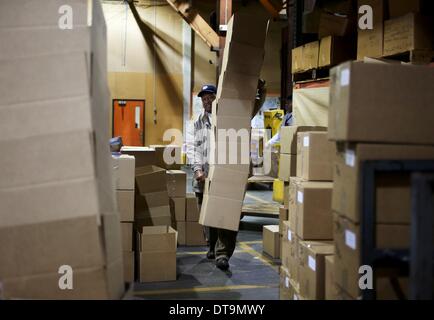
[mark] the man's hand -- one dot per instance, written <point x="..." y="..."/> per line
<point x="200" y="176"/>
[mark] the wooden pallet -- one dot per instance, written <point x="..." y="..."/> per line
<point x="260" y="179"/>
<point x="261" y="209"/>
<point x="311" y="75"/>
<point x="413" y="56"/>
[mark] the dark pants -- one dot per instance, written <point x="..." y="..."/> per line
<point x="221" y="241"/>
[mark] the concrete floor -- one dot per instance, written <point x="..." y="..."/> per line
<point x="252" y="274"/>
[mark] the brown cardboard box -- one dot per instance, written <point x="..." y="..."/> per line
<point x="370" y="42"/>
<point x="286" y="195"/>
<point x="150" y="179"/>
<point x="236" y="86"/>
<point x="271" y="241"/>
<point x="335" y="25"/>
<point x="288" y="137"/>
<point x="168" y="156"/>
<point x="310" y="55"/>
<point x="347" y="255"/>
<point x="290" y="252"/>
<point x="285" y="289"/>
<point x="297" y="59"/>
<point x="315" y="156"/>
<point x="123" y="167"/>
<point x="127" y="236"/>
<point x="392" y="191"/>
<point x="194" y="234"/>
<point x="406" y="33"/>
<point x="125" y="200"/>
<point x="176" y="183"/>
<point x="292" y="198"/>
<point x="241" y="28"/>
<point x="237" y="53"/>
<point x="182" y="231"/>
<point x="403" y="93"/>
<point x="153" y="208"/>
<point x="227" y="183"/>
<point x="398" y="8"/>
<point x="144" y="156"/>
<point x="128" y="266"/>
<point x="312" y="271"/>
<point x="335" y="50"/>
<point x="220" y="212"/>
<point x="177" y="208"/>
<point x="287" y="166"/>
<point x="283" y="216"/>
<point x="331" y="288"/>
<point x="191" y="208"/>
<point x="232" y="108"/>
<point x="313" y="215"/>
<point x="158" y="254"/>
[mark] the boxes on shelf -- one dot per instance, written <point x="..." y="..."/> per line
<point x="331" y="288"/>
<point x="271" y="241"/>
<point x="290" y="252"/>
<point x="335" y="25"/>
<point x="403" y="93"/>
<point x="370" y="41"/>
<point x="157" y="254"/>
<point x="286" y="291"/>
<point x="335" y="50"/>
<point x="283" y="216"/>
<point x="399" y="8"/>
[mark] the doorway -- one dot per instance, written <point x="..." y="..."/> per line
<point x="129" y="121"/>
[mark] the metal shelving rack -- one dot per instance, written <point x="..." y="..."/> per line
<point x="416" y="261"/>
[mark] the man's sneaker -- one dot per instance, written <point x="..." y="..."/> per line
<point x="222" y="263"/>
<point x="210" y="255"/>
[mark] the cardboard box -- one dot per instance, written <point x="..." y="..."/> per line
<point x="220" y="212"/>
<point x="313" y="217"/>
<point x="125" y="200"/>
<point x="225" y="183"/>
<point x="158" y="254"/>
<point x="127" y="236"/>
<point x="144" y="156"/>
<point x="310" y="55"/>
<point x="271" y="241"/>
<point x="348" y="241"/>
<point x="232" y="108"/>
<point x="335" y="50"/>
<point x="236" y="86"/>
<point x="191" y="208"/>
<point x="315" y="156"/>
<point x="286" y="194"/>
<point x="406" y="33"/>
<point x="240" y="29"/>
<point x="312" y="270"/>
<point x="370" y="41"/>
<point x="311" y="106"/>
<point x="292" y="201"/>
<point x="176" y="183"/>
<point x="283" y="216"/>
<point x="287" y="166"/>
<point x="335" y="25"/>
<point x="297" y="59"/>
<point x="177" y="208"/>
<point x="150" y="179"/>
<point x="393" y="197"/>
<point x="234" y="58"/>
<point x="331" y="288"/>
<point x="288" y="137"/>
<point x="182" y="232"/>
<point x="285" y="289"/>
<point x="398" y="8"/>
<point x="128" y="266"/>
<point x="402" y="94"/>
<point x="290" y="252"/>
<point x="194" y="234"/>
<point x="168" y="156"/>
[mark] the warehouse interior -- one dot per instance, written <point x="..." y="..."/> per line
<point x="217" y="149"/>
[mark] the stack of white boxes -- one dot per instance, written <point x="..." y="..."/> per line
<point x="232" y="111"/>
<point x="58" y="218"/>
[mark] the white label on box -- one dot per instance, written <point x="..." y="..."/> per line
<point x="287" y="282"/>
<point x="300" y="196"/>
<point x="306" y="141"/>
<point x="350" y="158"/>
<point x="312" y="263"/>
<point x="345" y="77"/>
<point x="350" y="239"/>
<point x="289" y="235"/>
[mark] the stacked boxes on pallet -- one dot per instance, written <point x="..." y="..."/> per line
<point x="56" y="192"/>
<point x="232" y="111"/>
<point x="389" y="118"/>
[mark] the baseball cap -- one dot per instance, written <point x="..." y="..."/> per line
<point x="208" y="88"/>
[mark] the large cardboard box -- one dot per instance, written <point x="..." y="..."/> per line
<point x="123" y="167"/>
<point x="150" y="179"/>
<point x="234" y="58"/>
<point x="194" y="234"/>
<point x="128" y="266"/>
<point x="125" y="200"/>
<point x="335" y="50"/>
<point x="401" y="103"/>
<point x="315" y="156"/>
<point x="191" y="208"/>
<point x="177" y="208"/>
<point x="226" y="183"/>
<point x="297" y="59"/>
<point x="220" y="212"/>
<point x="370" y="41"/>
<point x="406" y="33"/>
<point x="232" y="108"/>
<point x="158" y="254"/>
<point x="313" y="216"/>
<point x="236" y="86"/>
<point x="288" y="137"/>
<point x="331" y="288"/>
<point x="285" y="288"/>
<point x="241" y="28"/>
<point x="287" y="166"/>
<point x="127" y="236"/>
<point x="392" y="192"/>
<point x="290" y="252"/>
<point x="312" y="270"/>
<point x="182" y="231"/>
<point x="271" y="241"/>
<point x="144" y="156"/>
<point x="176" y="183"/>
<point x="347" y="238"/>
<point x="168" y="156"/>
<point x="310" y="55"/>
<point x="286" y="194"/>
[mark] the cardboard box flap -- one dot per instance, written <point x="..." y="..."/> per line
<point x="158" y="239"/>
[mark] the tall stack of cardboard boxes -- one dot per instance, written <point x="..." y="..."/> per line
<point x="123" y="171"/>
<point x="378" y="111"/>
<point x="56" y="191"/>
<point x="232" y="111"/>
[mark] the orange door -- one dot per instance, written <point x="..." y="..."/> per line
<point x="128" y="121"/>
